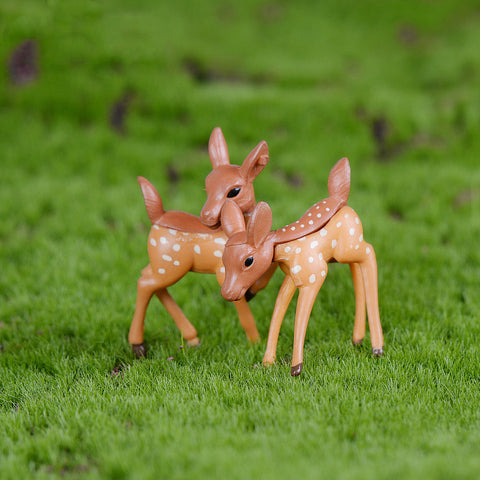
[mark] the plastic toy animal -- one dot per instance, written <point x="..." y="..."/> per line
<point x="329" y="231"/>
<point x="179" y="242"/>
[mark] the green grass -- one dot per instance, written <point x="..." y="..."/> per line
<point x="311" y="80"/>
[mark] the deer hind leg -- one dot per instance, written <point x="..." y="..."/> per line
<point x="181" y="321"/>
<point x="244" y="314"/>
<point x="360" y="317"/>
<point x="369" y="272"/>
<point x="147" y="284"/>
<point x="305" y="301"/>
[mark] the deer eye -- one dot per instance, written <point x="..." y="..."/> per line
<point x="248" y="261"/>
<point x="233" y="192"/>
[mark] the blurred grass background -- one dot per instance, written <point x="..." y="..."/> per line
<point x="105" y="91"/>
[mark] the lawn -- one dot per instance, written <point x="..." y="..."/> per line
<point x="115" y="90"/>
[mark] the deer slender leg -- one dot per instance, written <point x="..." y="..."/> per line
<point x="262" y="282"/>
<point x="284" y="298"/>
<point x="244" y="313"/>
<point x="186" y="328"/>
<point x="369" y="271"/>
<point x="305" y="301"/>
<point x="146" y="286"/>
<point x="360" y="317"/>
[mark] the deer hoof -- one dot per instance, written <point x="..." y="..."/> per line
<point x="249" y="295"/>
<point x="193" y="342"/>
<point x="296" y="370"/>
<point x="139" y="350"/>
<point x="377" y="352"/>
<point x="357" y="343"/>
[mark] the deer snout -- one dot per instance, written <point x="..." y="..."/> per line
<point x="231" y="293"/>
<point x="210" y="216"/>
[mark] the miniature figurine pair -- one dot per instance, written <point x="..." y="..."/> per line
<point x="232" y="239"/>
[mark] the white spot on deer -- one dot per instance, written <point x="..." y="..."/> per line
<point x="317" y="207"/>
<point x="319" y="215"/>
<point x="204" y="236"/>
<point x="339" y="224"/>
<point x="218" y="253"/>
<point x="323" y="232"/>
<point x="156" y="227"/>
<point x="185" y="234"/>
<point x="327" y="209"/>
<point x="309" y="214"/>
<point x="283" y="230"/>
<point x="167" y="258"/>
<point x="368" y="250"/>
<point x="298" y="250"/>
<point x="220" y="241"/>
<point x="360" y="238"/>
<point x="320" y="256"/>
<point x="323" y="273"/>
<point x="222" y="269"/>
<point x="334" y="243"/>
<point x="310" y="259"/>
<point x="302" y="225"/>
<point x="310" y="222"/>
<point x="324" y="201"/>
<point x="176" y="263"/>
<point x="196" y="249"/>
<point x="296" y="269"/>
<point x="314" y="244"/>
<point x="153" y="243"/>
<point x="357" y="221"/>
<point x="346" y="215"/>
<point x="357" y="247"/>
<point x="302" y="239"/>
<point x="293" y="228"/>
<point x="163" y="240"/>
<point x="312" y="278"/>
<point x="172" y="231"/>
<point x="161" y="270"/>
<point x="351" y="231"/>
<point x="176" y="247"/>
<point x="297" y="221"/>
<point x="287" y="249"/>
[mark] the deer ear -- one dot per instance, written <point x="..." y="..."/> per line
<point x="217" y="148"/>
<point x="255" y="161"/>
<point x="260" y="224"/>
<point x="232" y="218"/>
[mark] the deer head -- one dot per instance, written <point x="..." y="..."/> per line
<point x="249" y="250"/>
<point x="230" y="181"/>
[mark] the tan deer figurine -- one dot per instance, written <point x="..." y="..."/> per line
<point x="329" y="231"/>
<point x="179" y="242"/>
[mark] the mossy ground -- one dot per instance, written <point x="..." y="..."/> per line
<point x="391" y="85"/>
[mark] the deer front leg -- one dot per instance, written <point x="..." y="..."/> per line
<point x="284" y="298"/>
<point x="305" y="301"/>
<point x="244" y="313"/>
<point x="359" y="327"/>
<point x="261" y="283"/>
<point x="369" y="271"/>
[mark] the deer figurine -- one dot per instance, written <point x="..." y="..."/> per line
<point x="179" y="242"/>
<point x="329" y="231"/>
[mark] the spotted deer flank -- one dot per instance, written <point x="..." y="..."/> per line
<point x="179" y="242"/>
<point x="303" y="251"/>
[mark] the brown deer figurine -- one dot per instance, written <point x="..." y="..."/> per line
<point x="329" y="231"/>
<point x="179" y="242"/>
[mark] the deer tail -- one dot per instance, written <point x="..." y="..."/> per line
<point x="339" y="180"/>
<point x="153" y="201"/>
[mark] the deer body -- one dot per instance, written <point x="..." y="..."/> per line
<point x="179" y="242"/>
<point x="329" y="231"/>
